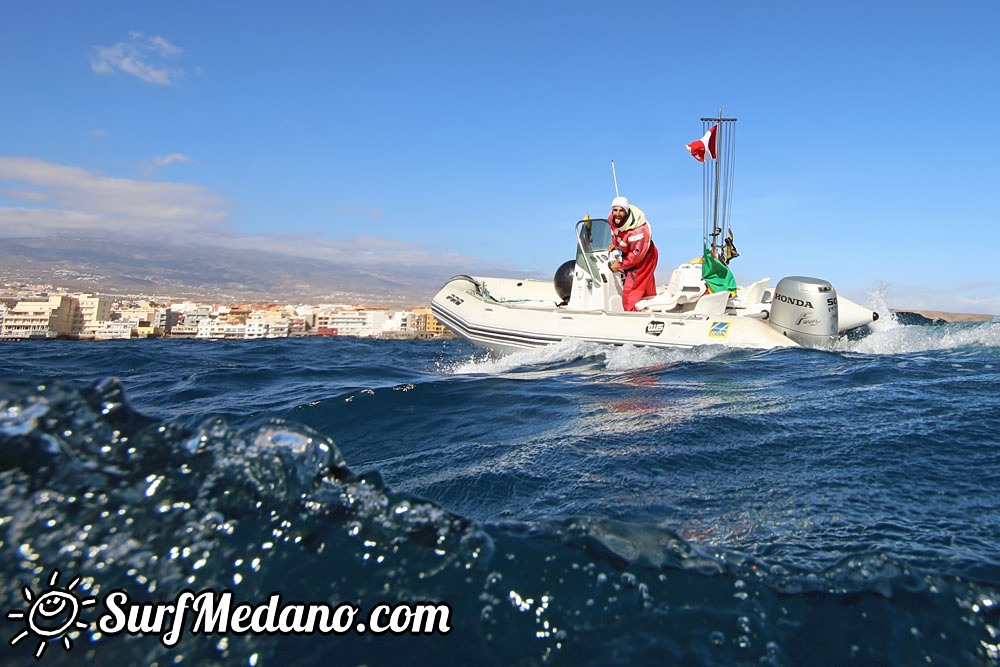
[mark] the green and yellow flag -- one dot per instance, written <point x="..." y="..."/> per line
<point x="716" y="275"/>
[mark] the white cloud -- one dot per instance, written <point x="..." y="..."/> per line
<point x="24" y="194"/>
<point x="361" y="250"/>
<point x="53" y="198"/>
<point x="75" y="198"/>
<point x="142" y="56"/>
<point x="163" y="160"/>
<point x="173" y="157"/>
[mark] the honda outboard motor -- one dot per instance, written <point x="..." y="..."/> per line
<point x="805" y="310"/>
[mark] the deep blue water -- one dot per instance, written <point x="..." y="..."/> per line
<point x="573" y="505"/>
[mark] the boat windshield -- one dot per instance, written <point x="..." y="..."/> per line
<point x="593" y="236"/>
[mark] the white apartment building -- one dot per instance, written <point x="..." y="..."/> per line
<point x="165" y="319"/>
<point x="210" y="328"/>
<point x="183" y="330"/>
<point x="309" y="313"/>
<point x="116" y="329"/>
<point x="351" y="322"/>
<point x="398" y="321"/>
<point x="184" y="307"/>
<point x="195" y="316"/>
<point x="267" y="324"/>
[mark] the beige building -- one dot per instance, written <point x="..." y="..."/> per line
<point x="41" y="318"/>
<point x="92" y="313"/>
<point x="427" y="322"/>
<point x="57" y="315"/>
<point x="145" y="312"/>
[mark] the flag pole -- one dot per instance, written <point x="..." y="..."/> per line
<point x="715" y="209"/>
<point x="614" y="176"/>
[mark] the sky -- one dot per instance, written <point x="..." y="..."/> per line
<point x="473" y="135"/>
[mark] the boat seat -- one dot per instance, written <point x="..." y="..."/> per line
<point x="712" y="304"/>
<point x="752" y="293"/>
<point x="685" y="286"/>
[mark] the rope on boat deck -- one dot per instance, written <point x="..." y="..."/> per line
<point x="480" y="287"/>
<point x="482" y="291"/>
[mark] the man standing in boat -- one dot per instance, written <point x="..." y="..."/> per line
<point x="632" y="235"/>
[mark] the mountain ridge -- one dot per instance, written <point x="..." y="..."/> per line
<point x="124" y="265"/>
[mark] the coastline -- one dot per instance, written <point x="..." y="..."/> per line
<point x="944" y="316"/>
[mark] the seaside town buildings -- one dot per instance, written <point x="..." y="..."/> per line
<point x="102" y="317"/>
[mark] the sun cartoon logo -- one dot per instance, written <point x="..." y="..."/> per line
<point x="51" y="615"/>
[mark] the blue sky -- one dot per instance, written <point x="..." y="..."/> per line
<point x="473" y="135"/>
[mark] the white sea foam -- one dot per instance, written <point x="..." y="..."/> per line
<point x="895" y="338"/>
<point x="615" y="358"/>
<point x="889" y="336"/>
<point x="629" y="357"/>
<point x="567" y="350"/>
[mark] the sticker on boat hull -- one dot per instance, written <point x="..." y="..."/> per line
<point x="719" y="330"/>
<point x="654" y="328"/>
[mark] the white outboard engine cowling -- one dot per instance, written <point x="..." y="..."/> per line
<point x="805" y="310"/>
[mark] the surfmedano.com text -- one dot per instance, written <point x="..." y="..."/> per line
<point x="215" y="613"/>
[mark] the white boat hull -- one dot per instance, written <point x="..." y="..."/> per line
<point x="522" y="314"/>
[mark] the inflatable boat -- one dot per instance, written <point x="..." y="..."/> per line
<point x="584" y="299"/>
<point x="584" y="302"/>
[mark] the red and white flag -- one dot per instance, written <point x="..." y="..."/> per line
<point x="697" y="148"/>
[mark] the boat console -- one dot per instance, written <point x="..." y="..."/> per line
<point x="595" y="286"/>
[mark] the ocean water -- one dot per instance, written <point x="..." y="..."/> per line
<point x="571" y="505"/>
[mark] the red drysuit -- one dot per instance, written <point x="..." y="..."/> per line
<point x="639" y="256"/>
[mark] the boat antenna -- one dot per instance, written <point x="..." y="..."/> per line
<point x="718" y="184"/>
<point x="716" y="230"/>
<point x="614" y="176"/>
